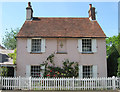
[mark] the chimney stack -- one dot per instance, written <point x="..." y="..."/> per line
<point x="29" y="12"/>
<point x="91" y="12"/>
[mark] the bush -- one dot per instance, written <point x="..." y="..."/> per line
<point x="69" y="69"/>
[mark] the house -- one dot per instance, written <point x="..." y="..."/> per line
<point x="6" y="61"/>
<point x="77" y="39"/>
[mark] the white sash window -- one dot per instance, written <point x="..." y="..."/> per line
<point x="87" y="45"/>
<point x="36" y="45"/>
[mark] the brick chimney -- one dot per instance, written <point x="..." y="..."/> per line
<point x="91" y="12"/>
<point x="29" y="12"/>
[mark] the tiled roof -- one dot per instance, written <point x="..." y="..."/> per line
<point x="6" y="60"/>
<point x="61" y="27"/>
<point x="1" y="47"/>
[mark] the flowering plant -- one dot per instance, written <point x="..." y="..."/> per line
<point x="69" y="69"/>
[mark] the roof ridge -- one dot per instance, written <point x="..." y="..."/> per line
<point x="61" y="17"/>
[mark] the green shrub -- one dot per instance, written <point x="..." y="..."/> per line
<point x="69" y="69"/>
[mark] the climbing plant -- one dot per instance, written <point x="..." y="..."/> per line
<point x="68" y="69"/>
<point x="3" y="71"/>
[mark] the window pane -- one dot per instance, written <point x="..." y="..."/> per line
<point x="35" y="71"/>
<point x="87" y="71"/>
<point x="86" y="45"/>
<point x="36" y="45"/>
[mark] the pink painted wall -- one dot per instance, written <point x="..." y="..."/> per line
<point x="25" y="58"/>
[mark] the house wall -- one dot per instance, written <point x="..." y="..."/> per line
<point x="25" y="58"/>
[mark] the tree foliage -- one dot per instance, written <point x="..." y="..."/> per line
<point x="113" y="55"/>
<point x="111" y="41"/>
<point x="13" y="56"/>
<point x="3" y="71"/>
<point x="9" y="40"/>
<point x="112" y="61"/>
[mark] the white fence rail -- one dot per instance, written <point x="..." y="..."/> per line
<point x="30" y="83"/>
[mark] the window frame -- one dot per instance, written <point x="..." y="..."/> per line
<point x="90" y="51"/>
<point x="40" y="45"/>
<point x="32" y="73"/>
<point x="89" y="74"/>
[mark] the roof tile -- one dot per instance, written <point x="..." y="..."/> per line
<point x="61" y="27"/>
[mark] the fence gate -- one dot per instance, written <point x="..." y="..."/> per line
<point x="25" y="83"/>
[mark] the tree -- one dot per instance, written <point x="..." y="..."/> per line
<point x="9" y="40"/>
<point x="13" y="56"/>
<point x="3" y="71"/>
<point x="112" y="61"/>
<point x="109" y="42"/>
<point x="113" y="55"/>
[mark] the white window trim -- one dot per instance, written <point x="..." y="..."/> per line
<point x="94" y="70"/>
<point x="91" y="66"/>
<point x="37" y="48"/>
<point x="80" y="71"/>
<point x="86" y="38"/>
<point x="43" y="43"/>
<point x="93" y="45"/>
<point x="35" y="69"/>
<point x="80" y="45"/>
<point x="36" y="38"/>
<point x="29" y="45"/>
<point x="28" y="70"/>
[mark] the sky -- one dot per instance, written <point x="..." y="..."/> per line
<point x="13" y="14"/>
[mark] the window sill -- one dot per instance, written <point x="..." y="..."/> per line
<point x="61" y="53"/>
<point x="87" y="52"/>
<point x="35" y="52"/>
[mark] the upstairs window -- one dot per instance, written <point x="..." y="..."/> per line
<point x="36" y="45"/>
<point x="86" y="45"/>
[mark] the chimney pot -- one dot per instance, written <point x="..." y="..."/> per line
<point x="90" y="6"/>
<point x="29" y="4"/>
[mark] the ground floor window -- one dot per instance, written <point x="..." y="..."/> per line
<point x="35" y="71"/>
<point x="87" y="71"/>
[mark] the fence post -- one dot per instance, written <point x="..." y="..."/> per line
<point x="30" y="83"/>
<point x="1" y="83"/>
<point x="73" y="82"/>
<point x="19" y="82"/>
<point x="113" y="83"/>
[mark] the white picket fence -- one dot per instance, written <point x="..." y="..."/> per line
<point x="30" y="83"/>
